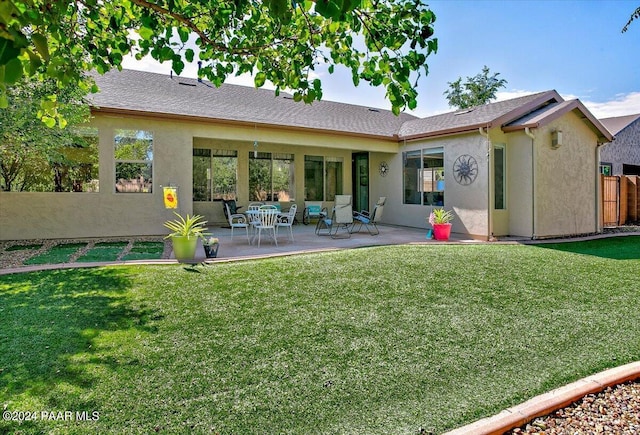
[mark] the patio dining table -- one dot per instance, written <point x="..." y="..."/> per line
<point x="253" y="218"/>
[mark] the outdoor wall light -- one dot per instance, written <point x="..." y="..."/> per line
<point x="556" y="139"/>
<point x="255" y="149"/>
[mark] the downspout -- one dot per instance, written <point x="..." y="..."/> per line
<point x="528" y="132"/>
<point x="484" y="132"/>
<point x="597" y="189"/>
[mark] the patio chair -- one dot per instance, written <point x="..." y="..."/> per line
<point x="236" y="220"/>
<point x="312" y="210"/>
<point x="369" y="219"/>
<point x="286" y="220"/>
<point x="341" y="219"/>
<point x="233" y="207"/>
<point x="267" y="222"/>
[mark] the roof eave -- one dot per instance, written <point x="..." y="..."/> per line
<point x="446" y="132"/>
<point x="529" y="107"/>
<point x="177" y="117"/>
<point x="603" y="134"/>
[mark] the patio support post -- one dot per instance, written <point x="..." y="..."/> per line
<point x="484" y="132"/>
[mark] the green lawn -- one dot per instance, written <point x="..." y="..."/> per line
<point x="379" y="340"/>
<point x="145" y="251"/>
<point x="61" y="253"/>
<point x="104" y="251"/>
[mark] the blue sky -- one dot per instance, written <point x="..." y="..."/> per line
<point x="574" y="47"/>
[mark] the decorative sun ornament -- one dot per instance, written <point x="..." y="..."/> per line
<point x="465" y="169"/>
<point x="384" y="169"/>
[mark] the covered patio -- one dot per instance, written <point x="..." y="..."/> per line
<point x="306" y="240"/>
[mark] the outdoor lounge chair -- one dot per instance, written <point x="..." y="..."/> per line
<point x="341" y="219"/>
<point x="369" y="219"/>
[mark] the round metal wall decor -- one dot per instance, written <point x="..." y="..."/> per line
<point x="465" y="169"/>
<point x="384" y="169"/>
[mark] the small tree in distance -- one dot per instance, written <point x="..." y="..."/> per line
<point x="476" y="91"/>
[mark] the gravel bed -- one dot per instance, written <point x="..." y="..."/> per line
<point x="616" y="410"/>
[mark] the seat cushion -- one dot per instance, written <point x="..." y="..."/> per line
<point x="362" y="219"/>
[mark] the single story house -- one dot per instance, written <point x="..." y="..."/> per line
<point x="622" y="156"/>
<point x="524" y="167"/>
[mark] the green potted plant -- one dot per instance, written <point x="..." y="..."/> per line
<point x="210" y="245"/>
<point x="184" y="235"/>
<point x="440" y="219"/>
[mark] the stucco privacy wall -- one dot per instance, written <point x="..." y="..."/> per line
<point x="32" y="215"/>
<point x="566" y="187"/>
<point x="105" y="213"/>
<point x="469" y="203"/>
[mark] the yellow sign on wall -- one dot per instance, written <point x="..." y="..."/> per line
<point x="170" y="197"/>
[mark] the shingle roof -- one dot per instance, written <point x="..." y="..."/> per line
<point x="144" y="92"/>
<point x="619" y="123"/>
<point x="549" y="112"/>
<point x="471" y="119"/>
<point x="139" y="92"/>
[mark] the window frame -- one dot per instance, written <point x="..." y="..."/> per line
<point x="329" y="164"/>
<point x="273" y="158"/>
<point x="503" y="180"/>
<point x="214" y="153"/>
<point x="414" y="181"/>
<point x="148" y="161"/>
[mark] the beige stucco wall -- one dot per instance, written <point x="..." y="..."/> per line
<point x="107" y="213"/>
<point x="520" y="175"/>
<point x="564" y="181"/>
<point x="566" y="188"/>
<point x="469" y="203"/>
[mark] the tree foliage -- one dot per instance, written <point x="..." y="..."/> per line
<point x="477" y="90"/>
<point x="33" y="156"/>
<point x="634" y="15"/>
<point x="383" y="42"/>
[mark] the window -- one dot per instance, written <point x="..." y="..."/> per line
<point x="433" y="176"/>
<point x="605" y="168"/>
<point x="630" y="169"/>
<point x="214" y="174"/>
<point x="323" y="177"/>
<point x="333" y="177"/>
<point x="313" y="178"/>
<point x="271" y="177"/>
<point x="134" y="161"/>
<point x="499" y="176"/>
<point x="72" y="166"/>
<point x="423" y="176"/>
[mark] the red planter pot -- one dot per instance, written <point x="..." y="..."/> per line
<point x="441" y="231"/>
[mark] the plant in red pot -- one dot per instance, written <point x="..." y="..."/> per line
<point x="440" y="219"/>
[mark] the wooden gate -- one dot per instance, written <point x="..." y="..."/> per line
<point x="620" y="199"/>
<point x="610" y="197"/>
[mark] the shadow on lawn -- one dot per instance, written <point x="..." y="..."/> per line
<point x="49" y="323"/>
<point x="614" y="248"/>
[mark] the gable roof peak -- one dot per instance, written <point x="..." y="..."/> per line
<point x="616" y="124"/>
<point x="470" y="119"/>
